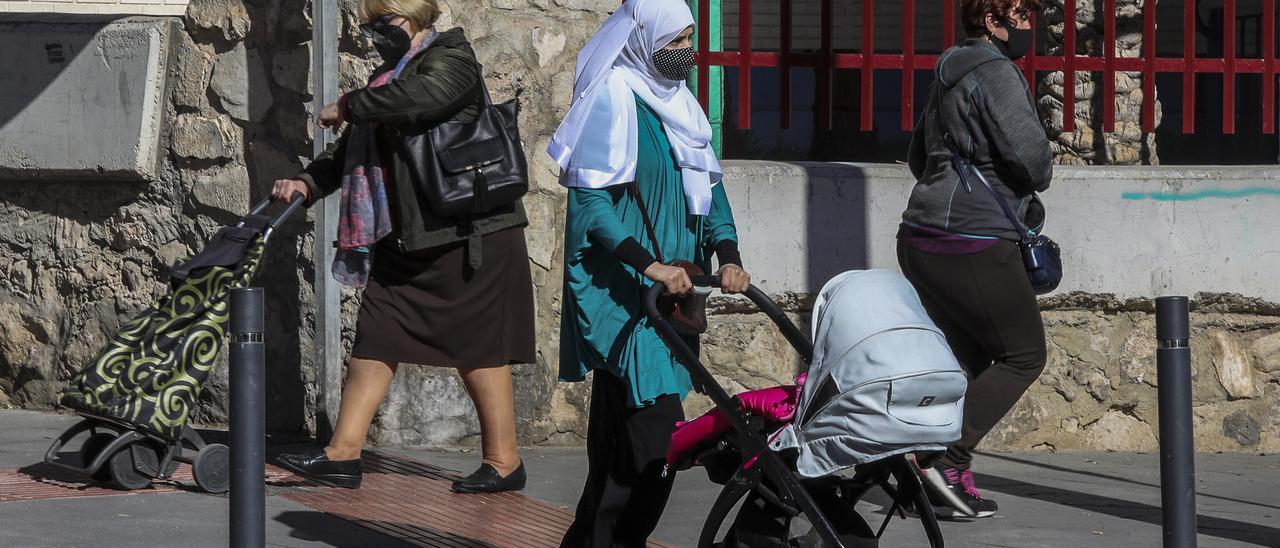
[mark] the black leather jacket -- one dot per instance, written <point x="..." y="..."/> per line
<point x="440" y="84"/>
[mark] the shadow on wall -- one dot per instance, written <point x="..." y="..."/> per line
<point x="71" y="268"/>
<point x="835" y="222"/>
<point x="40" y="64"/>
<point x="260" y="79"/>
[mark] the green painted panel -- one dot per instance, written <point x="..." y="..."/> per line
<point x="716" y="106"/>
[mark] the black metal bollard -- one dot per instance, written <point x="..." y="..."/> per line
<point x="248" y="419"/>
<point x="1177" y="442"/>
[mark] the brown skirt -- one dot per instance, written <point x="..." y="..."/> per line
<point x="430" y="307"/>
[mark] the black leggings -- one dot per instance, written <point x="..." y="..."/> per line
<point x="984" y="304"/>
<point x="625" y="492"/>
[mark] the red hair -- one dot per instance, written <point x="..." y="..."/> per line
<point x="973" y="13"/>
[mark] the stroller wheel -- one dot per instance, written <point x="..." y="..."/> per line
<point x="124" y="472"/>
<point x="211" y="468"/>
<point x="89" y="451"/>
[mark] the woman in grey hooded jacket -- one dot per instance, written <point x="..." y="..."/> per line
<point x="956" y="245"/>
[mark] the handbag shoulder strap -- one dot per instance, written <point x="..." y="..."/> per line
<point x="484" y="88"/>
<point x="964" y="166"/>
<point x="634" y="189"/>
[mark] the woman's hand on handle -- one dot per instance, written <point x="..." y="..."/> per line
<point x="674" y="278"/>
<point x="331" y="116"/>
<point x="284" y="189"/>
<point x="733" y="279"/>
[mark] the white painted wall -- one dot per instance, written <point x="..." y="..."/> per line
<point x="1136" y="232"/>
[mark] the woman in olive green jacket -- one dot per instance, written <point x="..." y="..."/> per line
<point x="438" y="291"/>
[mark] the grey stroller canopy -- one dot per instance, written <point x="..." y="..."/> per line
<point x="883" y="380"/>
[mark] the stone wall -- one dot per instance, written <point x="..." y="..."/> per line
<point x="1087" y="143"/>
<point x="79" y="257"/>
<point x="1098" y="391"/>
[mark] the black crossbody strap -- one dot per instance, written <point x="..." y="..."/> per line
<point x="634" y="188"/>
<point x="963" y="166"/>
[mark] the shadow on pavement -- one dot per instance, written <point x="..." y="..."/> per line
<point x="1206" y="525"/>
<point x="1119" y="479"/>
<point x="314" y="526"/>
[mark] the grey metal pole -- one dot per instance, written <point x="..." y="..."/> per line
<point x="248" y="419"/>
<point x="328" y="323"/>
<point x="1177" y="442"/>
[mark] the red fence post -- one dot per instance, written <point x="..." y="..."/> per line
<point x="1148" y="67"/>
<point x="1229" y="68"/>
<point x="824" y="69"/>
<point x="1269" y="67"/>
<point x="949" y="23"/>
<point x="1109" y="66"/>
<point x="744" y="64"/>
<point x="868" y="69"/>
<point x="908" y="63"/>
<point x="1029" y="61"/>
<point x="784" y="68"/>
<point x="704" y="55"/>
<point x="1069" y="66"/>
<point x="1189" y="70"/>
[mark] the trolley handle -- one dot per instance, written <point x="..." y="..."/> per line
<point x="296" y="201"/>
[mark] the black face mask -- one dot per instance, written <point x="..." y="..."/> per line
<point x="391" y="41"/>
<point x="674" y="64"/>
<point x="1018" y="44"/>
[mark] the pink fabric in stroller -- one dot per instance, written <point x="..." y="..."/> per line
<point x="776" y="403"/>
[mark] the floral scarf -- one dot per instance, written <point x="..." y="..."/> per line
<point x="365" y="215"/>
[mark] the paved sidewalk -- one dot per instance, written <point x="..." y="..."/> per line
<point x="1073" y="499"/>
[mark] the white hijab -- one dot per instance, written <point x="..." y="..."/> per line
<point x="595" y="145"/>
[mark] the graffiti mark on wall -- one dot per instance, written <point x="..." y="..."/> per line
<point x="1202" y="194"/>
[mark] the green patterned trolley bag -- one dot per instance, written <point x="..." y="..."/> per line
<point x="139" y="392"/>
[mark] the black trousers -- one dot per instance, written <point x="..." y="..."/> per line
<point x="625" y="492"/>
<point x="984" y="304"/>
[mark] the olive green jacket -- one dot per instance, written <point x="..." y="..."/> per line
<point x="440" y="84"/>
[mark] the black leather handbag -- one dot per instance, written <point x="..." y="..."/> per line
<point x="1040" y="254"/>
<point x="464" y="169"/>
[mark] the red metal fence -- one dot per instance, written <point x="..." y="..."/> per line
<point x="826" y="61"/>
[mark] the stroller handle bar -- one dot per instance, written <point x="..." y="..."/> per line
<point x="754" y="294"/>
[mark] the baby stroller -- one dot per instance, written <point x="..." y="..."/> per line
<point x="138" y="394"/>
<point x="882" y="387"/>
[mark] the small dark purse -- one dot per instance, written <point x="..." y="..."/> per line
<point x="466" y="169"/>
<point x="687" y="313"/>
<point x="1040" y="254"/>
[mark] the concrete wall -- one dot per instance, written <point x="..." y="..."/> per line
<point x="1132" y="232"/>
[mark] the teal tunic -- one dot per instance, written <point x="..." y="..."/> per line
<point x="603" y="325"/>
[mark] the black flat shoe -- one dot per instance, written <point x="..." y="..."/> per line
<point x="316" y="466"/>
<point x="487" y="480"/>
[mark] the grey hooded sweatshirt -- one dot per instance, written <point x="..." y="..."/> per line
<point x="982" y="100"/>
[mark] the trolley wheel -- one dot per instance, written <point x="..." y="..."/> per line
<point x="212" y="468"/>
<point x="124" y="472"/>
<point x="89" y="451"/>
<point x="147" y="462"/>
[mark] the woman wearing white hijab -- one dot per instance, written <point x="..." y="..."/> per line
<point x="635" y="143"/>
